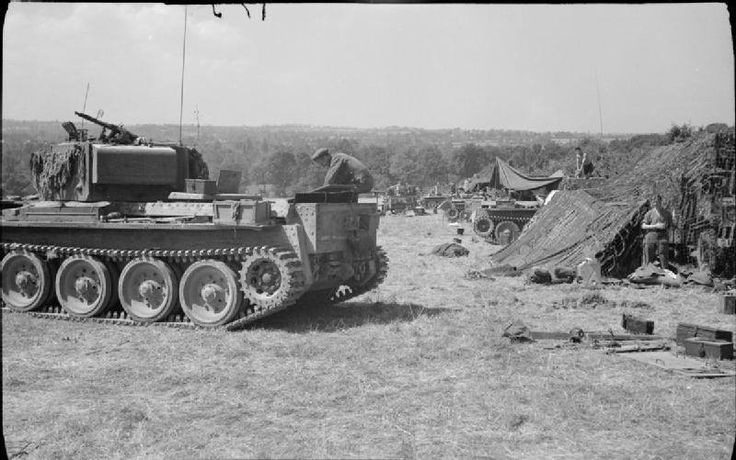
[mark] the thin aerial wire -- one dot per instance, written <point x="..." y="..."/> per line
<point x="84" y="106"/>
<point x="600" y="111"/>
<point x="183" y="62"/>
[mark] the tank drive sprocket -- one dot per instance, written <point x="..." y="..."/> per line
<point x="271" y="278"/>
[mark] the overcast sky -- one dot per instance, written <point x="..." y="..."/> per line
<point x="530" y="67"/>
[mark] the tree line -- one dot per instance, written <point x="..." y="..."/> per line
<point x="280" y="156"/>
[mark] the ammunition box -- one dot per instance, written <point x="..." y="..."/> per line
<point x="637" y="325"/>
<point x="707" y="349"/>
<point x="206" y="187"/>
<point x="686" y="331"/>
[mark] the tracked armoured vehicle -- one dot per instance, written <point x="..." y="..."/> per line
<point x="501" y="221"/>
<point x="134" y="231"/>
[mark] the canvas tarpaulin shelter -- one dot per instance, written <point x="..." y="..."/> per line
<point x="605" y="221"/>
<point x="575" y="225"/>
<point x="502" y="175"/>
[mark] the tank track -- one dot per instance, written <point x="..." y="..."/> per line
<point x="179" y="320"/>
<point x="348" y="291"/>
<point x="111" y="317"/>
<point x="233" y="257"/>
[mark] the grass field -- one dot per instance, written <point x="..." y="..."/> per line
<point x="415" y="369"/>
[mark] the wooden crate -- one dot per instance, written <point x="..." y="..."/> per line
<point x="695" y="346"/>
<point x="637" y="325"/>
<point x="686" y="331"/>
<point x="207" y="187"/>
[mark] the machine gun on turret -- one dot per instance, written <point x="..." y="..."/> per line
<point x="118" y="134"/>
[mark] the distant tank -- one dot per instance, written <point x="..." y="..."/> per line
<point x="128" y="228"/>
<point x="501" y="221"/>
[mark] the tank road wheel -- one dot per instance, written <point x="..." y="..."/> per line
<point x="85" y="286"/>
<point x="271" y="279"/>
<point x="507" y="232"/>
<point x="26" y="280"/>
<point x="208" y="293"/>
<point x="148" y="289"/>
<point x="452" y="214"/>
<point x="483" y="225"/>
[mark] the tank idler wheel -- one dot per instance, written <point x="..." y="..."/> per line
<point x="452" y="214"/>
<point x="507" y="232"/>
<point x="268" y="278"/>
<point x="483" y="225"/>
<point x="148" y="289"/>
<point x="209" y="294"/>
<point x="26" y="280"/>
<point x="85" y="286"/>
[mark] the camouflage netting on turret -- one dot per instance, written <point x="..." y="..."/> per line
<point x="57" y="172"/>
<point x="197" y="166"/>
<point x="574" y="225"/>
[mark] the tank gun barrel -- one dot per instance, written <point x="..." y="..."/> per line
<point x="120" y="135"/>
<point x="96" y="121"/>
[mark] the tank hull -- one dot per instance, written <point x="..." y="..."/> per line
<point x="220" y="264"/>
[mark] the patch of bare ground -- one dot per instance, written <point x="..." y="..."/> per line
<point x="414" y="369"/>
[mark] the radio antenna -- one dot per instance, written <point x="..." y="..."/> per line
<point x="183" y="61"/>
<point x="196" y="113"/>
<point x="598" y="93"/>
<point x="84" y="106"/>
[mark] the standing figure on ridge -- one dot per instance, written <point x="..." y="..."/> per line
<point x="344" y="170"/>
<point x="657" y="223"/>
<point x="583" y="164"/>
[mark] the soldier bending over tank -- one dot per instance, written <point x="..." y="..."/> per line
<point x="344" y="170"/>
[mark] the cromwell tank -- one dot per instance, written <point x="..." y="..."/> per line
<point x="127" y="228"/>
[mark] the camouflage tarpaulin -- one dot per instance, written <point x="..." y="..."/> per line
<point x="605" y="222"/>
<point x="504" y="176"/>
<point x="197" y="166"/>
<point x="659" y="171"/>
<point x="56" y="172"/>
<point x="575" y="225"/>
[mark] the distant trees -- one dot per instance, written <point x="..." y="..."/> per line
<point x="281" y="155"/>
<point x="469" y="159"/>
<point x="278" y="169"/>
<point x="378" y="159"/>
<point x="433" y="166"/>
<point x="679" y="133"/>
<point x="309" y="175"/>
<point x="16" y="157"/>
<point x="405" y="166"/>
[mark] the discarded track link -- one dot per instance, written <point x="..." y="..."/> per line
<point x="226" y="288"/>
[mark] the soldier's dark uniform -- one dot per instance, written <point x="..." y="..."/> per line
<point x="656" y="241"/>
<point x="346" y="170"/>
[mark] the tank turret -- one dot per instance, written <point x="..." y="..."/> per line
<point x="119" y="166"/>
